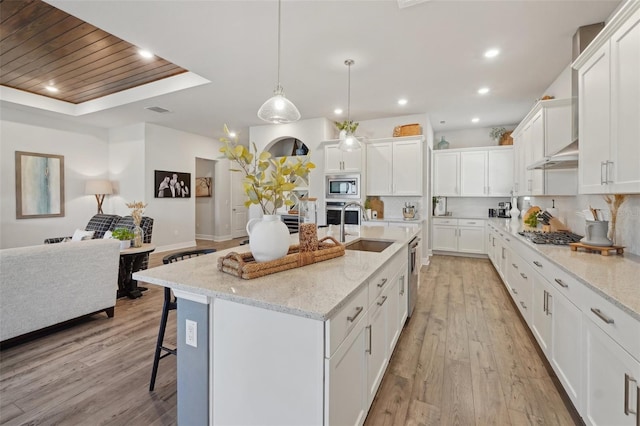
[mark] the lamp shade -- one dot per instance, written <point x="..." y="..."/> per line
<point x="278" y="109"/>
<point x="98" y="187"/>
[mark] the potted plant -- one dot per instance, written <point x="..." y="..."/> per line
<point x="346" y="126"/>
<point x="124" y="235"/>
<point x="497" y="132"/>
<point x="269" y="183"/>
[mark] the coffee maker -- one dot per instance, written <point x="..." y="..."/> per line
<point x="504" y="208"/>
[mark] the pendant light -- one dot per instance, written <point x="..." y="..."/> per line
<point x="278" y="109"/>
<point x="349" y="142"/>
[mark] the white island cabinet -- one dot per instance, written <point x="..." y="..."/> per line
<point x="305" y="346"/>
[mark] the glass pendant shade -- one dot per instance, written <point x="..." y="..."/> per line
<point x="278" y="109"/>
<point x="349" y="142"/>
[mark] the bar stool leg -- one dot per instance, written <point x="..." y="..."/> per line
<point x="163" y="327"/>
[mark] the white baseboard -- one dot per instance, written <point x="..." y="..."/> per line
<point x="205" y="237"/>
<point x="218" y="238"/>
<point x="455" y="253"/>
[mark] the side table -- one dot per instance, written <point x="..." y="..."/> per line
<point x="131" y="261"/>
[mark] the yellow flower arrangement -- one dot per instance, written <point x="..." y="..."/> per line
<point x="268" y="182"/>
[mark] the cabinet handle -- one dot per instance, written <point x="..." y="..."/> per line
<point x="368" y="350"/>
<point x="523" y="305"/>
<point x="358" y="312"/>
<point x="382" y="282"/>
<point x="547" y="297"/>
<point x="503" y="253"/>
<point x="523" y="275"/>
<point x="402" y="285"/>
<point x="627" y="410"/>
<point x="471" y="223"/>
<point x="603" y="165"/>
<point x="508" y="240"/>
<point x="544" y="302"/>
<point x="538" y="264"/>
<point x="514" y="265"/>
<point x="384" y="299"/>
<point x="608" y="173"/>
<point x="514" y="290"/>
<point x="602" y="316"/>
<point x="562" y="283"/>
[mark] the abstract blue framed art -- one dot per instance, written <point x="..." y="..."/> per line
<point x="39" y="185"/>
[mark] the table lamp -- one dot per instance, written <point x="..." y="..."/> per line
<point x="99" y="188"/>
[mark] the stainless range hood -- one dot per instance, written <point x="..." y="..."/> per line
<point x="566" y="158"/>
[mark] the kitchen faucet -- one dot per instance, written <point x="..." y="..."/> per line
<point x="351" y="203"/>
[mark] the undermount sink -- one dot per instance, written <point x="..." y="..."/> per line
<point x="368" y="245"/>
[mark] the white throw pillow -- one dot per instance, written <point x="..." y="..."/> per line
<point x="81" y="235"/>
<point x="108" y="235"/>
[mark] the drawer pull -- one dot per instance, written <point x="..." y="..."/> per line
<point x="538" y="264"/>
<point x="627" y="410"/>
<point x="602" y="316"/>
<point x="368" y="350"/>
<point x="384" y="299"/>
<point x="562" y="283"/>
<point x="358" y="312"/>
<point x="382" y="282"/>
<point x="523" y="275"/>
<point x="514" y="290"/>
<point x="402" y="285"/>
<point x="507" y="239"/>
<point x="523" y="305"/>
<point x="471" y="223"/>
<point x="514" y="265"/>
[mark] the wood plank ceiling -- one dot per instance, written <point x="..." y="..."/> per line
<point x="41" y="46"/>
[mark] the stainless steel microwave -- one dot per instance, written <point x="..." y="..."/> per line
<point x="342" y="186"/>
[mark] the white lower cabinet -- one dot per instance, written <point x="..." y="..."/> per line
<point x="611" y="378"/>
<point x="372" y="322"/>
<point x="346" y="390"/>
<point x="459" y="235"/>
<point x="593" y="347"/>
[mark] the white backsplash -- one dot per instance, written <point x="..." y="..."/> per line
<point x="472" y="207"/>
<point x="393" y="206"/>
<point x="628" y="223"/>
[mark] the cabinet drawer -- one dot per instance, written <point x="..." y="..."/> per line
<point x="622" y="328"/>
<point x="379" y="282"/>
<point x="439" y="221"/>
<point x="470" y="222"/>
<point x="339" y="326"/>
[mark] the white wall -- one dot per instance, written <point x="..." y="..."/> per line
<point x="561" y="86"/>
<point x="205" y="218"/>
<point x="85" y="151"/>
<point x="469" y="138"/>
<point x="174" y="150"/>
<point x="126" y="168"/>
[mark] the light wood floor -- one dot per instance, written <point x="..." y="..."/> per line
<point x="464" y="358"/>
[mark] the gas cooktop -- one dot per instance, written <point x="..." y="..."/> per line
<point x="558" y="237"/>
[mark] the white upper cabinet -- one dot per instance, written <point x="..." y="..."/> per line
<point x="473" y="172"/>
<point x="338" y="161"/>
<point x="609" y="107"/>
<point x="394" y="167"/>
<point x="446" y="173"/>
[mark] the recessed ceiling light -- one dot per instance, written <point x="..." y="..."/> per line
<point x="145" y="54"/>
<point x="483" y="90"/>
<point x="52" y="89"/>
<point x="402" y="101"/>
<point x="491" y="53"/>
<point x="475" y="120"/>
<point x="337" y="111"/>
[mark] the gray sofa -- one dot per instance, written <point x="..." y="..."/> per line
<point x="44" y="285"/>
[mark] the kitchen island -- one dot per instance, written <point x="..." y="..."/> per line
<point x="304" y="346"/>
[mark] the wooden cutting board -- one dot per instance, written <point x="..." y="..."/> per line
<point x="377" y="205"/>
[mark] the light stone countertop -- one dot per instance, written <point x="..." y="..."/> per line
<point x="614" y="277"/>
<point x="462" y="217"/>
<point x="314" y="291"/>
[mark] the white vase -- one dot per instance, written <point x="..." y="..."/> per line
<point x="268" y="238"/>
<point x="514" y="212"/>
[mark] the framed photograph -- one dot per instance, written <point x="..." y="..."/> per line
<point x="203" y="186"/>
<point x="39" y="185"/>
<point x="172" y="184"/>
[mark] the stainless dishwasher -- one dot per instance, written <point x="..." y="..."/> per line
<point x="414" y="270"/>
